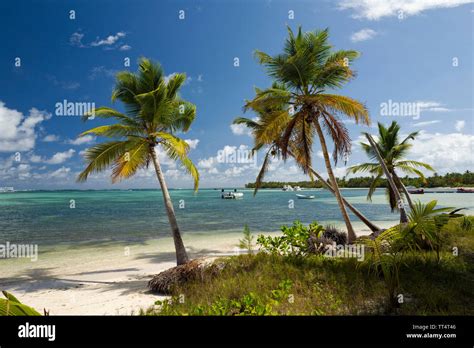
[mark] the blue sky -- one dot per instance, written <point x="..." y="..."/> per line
<point x="411" y="52"/>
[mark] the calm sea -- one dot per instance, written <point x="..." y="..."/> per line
<point x="54" y="217"/>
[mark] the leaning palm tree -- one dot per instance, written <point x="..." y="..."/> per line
<point x="154" y="112"/>
<point x="267" y="135"/>
<point x="393" y="152"/>
<point x="307" y="68"/>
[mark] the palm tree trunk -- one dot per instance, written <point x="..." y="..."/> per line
<point x="400" y="184"/>
<point x="362" y="217"/>
<point x="393" y="187"/>
<point x="350" y="230"/>
<point x="181" y="255"/>
<point x="367" y="222"/>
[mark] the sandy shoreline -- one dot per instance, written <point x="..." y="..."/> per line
<point x="105" y="278"/>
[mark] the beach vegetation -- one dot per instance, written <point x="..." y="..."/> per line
<point x="390" y="280"/>
<point x="11" y="306"/>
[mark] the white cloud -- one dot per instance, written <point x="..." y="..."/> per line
<point x="193" y="143"/>
<point x="110" y="40"/>
<point x="376" y="9"/>
<point x="17" y="131"/>
<point x="86" y="139"/>
<point x="460" y="124"/>
<point x="444" y="152"/>
<point x="60" y="173"/>
<point x="431" y="106"/>
<point x="425" y="123"/>
<point x="57" y="158"/>
<point x="186" y="82"/>
<point x="76" y="39"/>
<point x="206" y="163"/>
<point x="109" y="43"/>
<point x="242" y="129"/>
<point x="363" y="35"/>
<point x="51" y="138"/>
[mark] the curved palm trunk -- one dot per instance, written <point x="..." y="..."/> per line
<point x="393" y="187"/>
<point x="400" y="184"/>
<point x="181" y="255"/>
<point x="367" y="222"/>
<point x="350" y="230"/>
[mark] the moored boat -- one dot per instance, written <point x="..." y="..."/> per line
<point x="231" y="195"/>
<point x="464" y="190"/>
<point x="417" y="191"/>
<point x="305" y="196"/>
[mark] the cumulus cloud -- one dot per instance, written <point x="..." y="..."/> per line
<point x="86" y="139"/>
<point x="125" y="48"/>
<point x="109" y="40"/>
<point x="460" y="124"/>
<point x="193" y="143"/>
<point x="57" y="158"/>
<point x="444" y="152"/>
<point x="363" y="35"/>
<point x="50" y="138"/>
<point x="17" y="130"/>
<point x="241" y="129"/>
<point x="377" y="9"/>
<point x="76" y="39"/>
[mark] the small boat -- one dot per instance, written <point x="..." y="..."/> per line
<point x="287" y="188"/>
<point x="305" y="196"/>
<point x="416" y="192"/>
<point x="7" y="189"/>
<point x="463" y="190"/>
<point x="231" y="195"/>
<point x="297" y="188"/>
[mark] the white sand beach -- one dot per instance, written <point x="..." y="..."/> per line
<point x="108" y="278"/>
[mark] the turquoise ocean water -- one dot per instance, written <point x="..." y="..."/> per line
<point x="45" y="217"/>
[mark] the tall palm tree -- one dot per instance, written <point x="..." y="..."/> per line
<point x="262" y="128"/>
<point x="154" y="112"/>
<point x="393" y="152"/>
<point x="307" y="68"/>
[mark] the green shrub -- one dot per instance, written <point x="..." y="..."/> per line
<point x="295" y="240"/>
<point x="11" y="306"/>
<point x="249" y="304"/>
<point x="246" y="242"/>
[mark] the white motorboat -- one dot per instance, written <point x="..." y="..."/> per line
<point x="305" y="196"/>
<point x="231" y="195"/>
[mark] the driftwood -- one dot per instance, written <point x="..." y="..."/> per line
<point x="165" y="281"/>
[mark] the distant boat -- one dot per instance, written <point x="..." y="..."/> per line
<point x="288" y="188"/>
<point x="6" y="189"/>
<point x="297" y="188"/>
<point x="231" y="195"/>
<point x="416" y="191"/>
<point x="463" y="190"/>
<point x="305" y="196"/>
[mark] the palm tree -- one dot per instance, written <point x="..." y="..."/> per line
<point x="261" y="128"/>
<point x="393" y="152"/>
<point x="306" y="69"/>
<point x="153" y="114"/>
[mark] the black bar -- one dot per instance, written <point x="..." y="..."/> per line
<point x="290" y="331"/>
